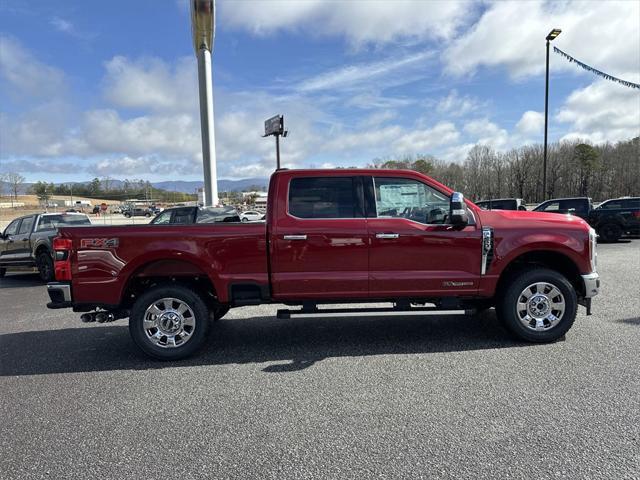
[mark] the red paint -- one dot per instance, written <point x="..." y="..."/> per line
<point x="340" y="258"/>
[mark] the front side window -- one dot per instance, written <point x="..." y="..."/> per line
<point x="25" y="227"/>
<point x="613" y="205"/>
<point x="163" y="219"/>
<point x="323" y="197"/>
<point x="410" y="199"/>
<point x="12" y="229"/>
<point x="551" y="207"/>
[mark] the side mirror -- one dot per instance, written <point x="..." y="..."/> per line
<point x="458" y="213"/>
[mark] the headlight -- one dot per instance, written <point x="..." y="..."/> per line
<point x="593" y="241"/>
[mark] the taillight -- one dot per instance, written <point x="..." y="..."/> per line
<point x="636" y="214"/>
<point x="62" y="254"/>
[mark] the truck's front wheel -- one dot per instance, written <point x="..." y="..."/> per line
<point x="169" y="322"/>
<point x="538" y="305"/>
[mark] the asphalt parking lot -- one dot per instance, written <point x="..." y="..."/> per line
<point x="355" y="397"/>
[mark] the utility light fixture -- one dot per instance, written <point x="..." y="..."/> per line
<point x="553" y="34"/>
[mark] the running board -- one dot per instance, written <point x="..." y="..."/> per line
<point x="310" y="312"/>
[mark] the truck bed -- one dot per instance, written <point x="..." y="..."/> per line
<point x="223" y="252"/>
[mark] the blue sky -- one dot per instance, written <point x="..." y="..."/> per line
<point x="109" y="88"/>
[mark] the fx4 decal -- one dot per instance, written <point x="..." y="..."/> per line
<point x="99" y="242"/>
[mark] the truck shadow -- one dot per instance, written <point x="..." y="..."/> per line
<point x="21" y="280"/>
<point x="289" y="345"/>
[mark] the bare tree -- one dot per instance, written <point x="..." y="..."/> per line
<point x="15" y="181"/>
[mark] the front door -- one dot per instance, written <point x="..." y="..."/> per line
<point x="414" y="251"/>
<point x="320" y="240"/>
<point x="8" y="244"/>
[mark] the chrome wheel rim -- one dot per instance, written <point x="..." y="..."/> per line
<point x="169" y="322"/>
<point x="540" y="306"/>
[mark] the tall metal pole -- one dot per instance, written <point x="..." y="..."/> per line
<point x="203" y="31"/>
<point x="278" y="152"/>
<point x="207" y="128"/>
<point x="546" y="125"/>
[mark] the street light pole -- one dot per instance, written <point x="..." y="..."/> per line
<point x="203" y="29"/>
<point x="552" y="34"/>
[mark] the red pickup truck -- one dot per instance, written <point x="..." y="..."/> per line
<point x="332" y="236"/>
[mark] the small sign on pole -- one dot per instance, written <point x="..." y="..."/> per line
<point x="275" y="126"/>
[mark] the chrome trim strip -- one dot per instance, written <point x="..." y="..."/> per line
<point x="295" y="237"/>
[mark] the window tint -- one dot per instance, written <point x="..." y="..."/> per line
<point x="322" y="197"/>
<point x="26" y="225"/>
<point x="163" y="219"/>
<point x="613" y="205"/>
<point x="410" y="199"/>
<point x="575" y="205"/>
<point x="183" y="216"/>
<point x="12" y="229"/>
<point x="632" y="203"/>
<point x="551" y="207"/>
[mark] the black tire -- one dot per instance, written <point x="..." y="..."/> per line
<point x="507" y="311"/>
<point x="219" y="312"/>
<point x="244" y="219"/>
<point x="610" y="232"/>
<point x="44" y="262"/>
<point x="3" y="271"/>
<point x="197" y="337"/>
<point x="147" y="214"/>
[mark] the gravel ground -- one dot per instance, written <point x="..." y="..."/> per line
<point x="344" y="398"/>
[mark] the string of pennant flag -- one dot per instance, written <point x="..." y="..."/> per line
<point x="595" y="70"/>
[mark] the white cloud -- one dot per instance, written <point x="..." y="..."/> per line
<point x="511" y="35"/>
<point x="531" y="123"/>
<point x="152" y="84"/>
<point x="25" y="74"/>
<point x="426" y="140"/>
<point x="603" y="111"/>
<point x="360" y="22"/>
<point x="458" y="105"/>
<point x="486" y="132"/>
<point x="62" y="25"/>
<point x="351" y="75"/>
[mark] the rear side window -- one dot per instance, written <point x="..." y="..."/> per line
<point x="26" y="225"/>
<point x="323" y="197"/>
<point x="633" y="203"/>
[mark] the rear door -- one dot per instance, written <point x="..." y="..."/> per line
<point x="414" y="251"/>
<point x="319" y="242"/>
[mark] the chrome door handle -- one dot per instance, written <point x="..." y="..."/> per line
<point x="295" y="237"/>
<point x="387" y="235"/>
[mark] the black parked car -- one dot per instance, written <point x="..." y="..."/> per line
<point x="616" y="217"/>
<point x="578" y="206"/>
<point x="196" y="215"/>
<point x="502" y="204"/>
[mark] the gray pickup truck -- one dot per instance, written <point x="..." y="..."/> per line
<point x="26" y="242"/>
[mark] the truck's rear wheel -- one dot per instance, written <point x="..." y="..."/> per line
<point x="610" y="232"/>
<point x="538" y="305"/>
<point x="169" y="322"/>
<point x="44" y="262"/>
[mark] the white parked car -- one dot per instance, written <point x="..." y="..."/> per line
<point x="251" y="216"/>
